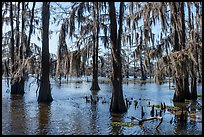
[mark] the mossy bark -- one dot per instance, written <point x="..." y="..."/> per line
<point x="117" y="100"/>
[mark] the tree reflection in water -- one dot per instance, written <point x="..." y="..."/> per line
<point x="93" y="120"/>
<point x="117" y="130"/>
<point x="17" y="115"/>
<point x="44" y="118"/>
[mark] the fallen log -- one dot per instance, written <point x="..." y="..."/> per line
<point x="147" y="119"/>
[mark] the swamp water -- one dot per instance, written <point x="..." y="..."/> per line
<point x="70" y="114"/>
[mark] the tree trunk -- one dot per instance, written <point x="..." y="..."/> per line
<point x="127" y="69"/>
<point x="12" y="38"/>
<point x="18" y="74"/>
<point x="143" y="76"/>
<point x="182" y="84"/>
<point x="31" y="29"/>
<point x="179" y="95"/>
<point x="186" y="86"/>
<point x="176" y="40"/>
<point x="45" y="91"/>
<point x="22" y="46"/>
<point x="17" y="83"/>
<point x="193" y="94"/>
<point x="183" y="41"/>
<point x="117" y="100"/>
<point x="134" y="66"/>
<point x="17" y="30"/>
<point x="75" y="61"/>
<point x="95" y="85"/>
<point x="194" y="88"/>
<point x="194" y="76"/>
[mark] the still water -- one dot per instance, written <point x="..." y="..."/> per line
<point x="70" y="114"/>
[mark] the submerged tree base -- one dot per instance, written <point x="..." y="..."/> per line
<point x="17" y="86"/>
<point x="45" y="94"/>
<point x="95" y="86"/>
<point x="45" y="99"/>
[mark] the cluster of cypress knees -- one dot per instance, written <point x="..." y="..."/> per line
<point x="153" y="112"/>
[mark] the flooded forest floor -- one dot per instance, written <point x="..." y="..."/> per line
<point x="72" y="113"/>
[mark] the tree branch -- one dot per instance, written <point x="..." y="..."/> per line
<point x="147" y="119"/>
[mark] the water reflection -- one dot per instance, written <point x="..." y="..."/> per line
<point x="93" y="118"/>
<point x="142" y="83"/>
<point x="17" y="115"/>
<point x="43" y="118"/>
<point x="180" y="118"/>
<point x="116" y="130"/>
<point x="186" y="122"/>
<point x="69" y="113"/>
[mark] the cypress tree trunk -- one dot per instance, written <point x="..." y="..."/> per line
<point x="127" y="69"/>
<point x="143" y="76"/>
<point x="12" y="39"/>
<point x="17" y="81"/>
<point x="95" y="85"/>
<point x="193" y="94"/>
<point x="134" y="67"/>
<point x="117" y="100"/>
<point x="179" y="95"/>
<point x="31" y="30"/>
<point x="182" y="84"/>
<point x="194" y="75"/>
<point x="183" y="41"/>
<point x="45" y="91"/>
<point x="22" y="45"/>
<point x="75" y="61"/>
<point x="17" y="85"/>
<point x="193" y="88"/>
<point x="17" y="29"/>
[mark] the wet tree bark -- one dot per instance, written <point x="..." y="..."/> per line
<point x="117" y="100"/>
<point x="194" y="88"/>
<point x="23" y="49"/>
<point x="17" y="82"/>
<point x="178" y="92"/>
<point x="17" y="29"/>
<point x="183" y="41"/>
<point x="31" y="29"/>
<point x="194" y="76"/>
<point x="45" y="90"/>
<point x="179" y="95"/>
<point x="182" y="84"/>
<point x="95" y="85"/>
<point x="17" y="85"/>
<point x="143" y="76"/>
<point x="75" y="61"/>
<point x="193" y="94"/>
<point x="12" y="38"/>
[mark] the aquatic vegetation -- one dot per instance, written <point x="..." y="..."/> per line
<point x="125" y="124"/>
<point x="199" y="95"/>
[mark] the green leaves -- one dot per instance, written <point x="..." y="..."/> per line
<point x="125" y="124"/>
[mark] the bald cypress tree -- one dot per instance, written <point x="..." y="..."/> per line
<point x="117" y="100"/>
<point x="45" y="90"/>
